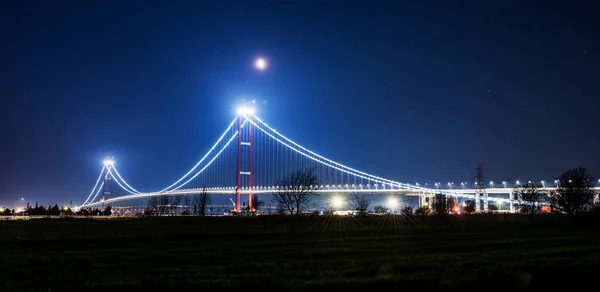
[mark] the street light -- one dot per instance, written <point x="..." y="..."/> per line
<point x="337" y="202"/>
<point x="492" y="184"/>
<point x="543" y="184"/>
<point x="463" y="185"/>
<point x="518" y="183"/>
<point x="504" y="183"/>
<point x="392" y="203"/>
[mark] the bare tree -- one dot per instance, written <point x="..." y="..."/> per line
<point x="187" y="203"/>
<point x="380" y="209"/>
<point x="575" y="193"/>
<point x="175" y="202"/>
<point x="163" y="204"/>
<point x="442" y="204"/>
<point x="529" y="196"/>
<point x="153" y="205"/>
<point x="295" y="191"/>
<point x="195" y="202"/>
<point x="203" y="201"/>
<point x="281" y="209"/>
<point x="360" y="203"/>
<point x="256" y="203"/>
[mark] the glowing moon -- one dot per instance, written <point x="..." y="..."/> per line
<point x="260" y="64"/>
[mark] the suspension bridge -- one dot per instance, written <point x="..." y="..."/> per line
<point x="250" y="157"/>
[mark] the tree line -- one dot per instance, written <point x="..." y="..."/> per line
<point x="36" y="211"/>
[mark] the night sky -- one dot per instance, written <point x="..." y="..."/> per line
<point x="406" y="90"/>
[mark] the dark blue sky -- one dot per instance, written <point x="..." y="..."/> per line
<point x="407" y="90"/>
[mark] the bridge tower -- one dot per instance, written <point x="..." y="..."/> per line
<point x="107" y="187"/>
<point x="250" y="173"/>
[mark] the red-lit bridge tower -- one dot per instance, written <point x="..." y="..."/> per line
<point x="107" y="175"/>
<point x="244" y="143"/>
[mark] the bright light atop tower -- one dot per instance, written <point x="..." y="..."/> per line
<point x="245" y="111"/>
<point x="260" y="64"/>
<point x="337" y="202"/>
<point x="108" y="162"/>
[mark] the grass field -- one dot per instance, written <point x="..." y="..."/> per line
<point x="277" y="253"/>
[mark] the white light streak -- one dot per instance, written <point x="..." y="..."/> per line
<point x="96" y="195"/>
<point x="95" y="185"/>
<point x="117" y="181"/>
<point x="204" y="157"/>
<point x="327" y="164"/>
<point x="121" y="178"/>
<point x="372" y="177"/>
<point x="211" y="161"/>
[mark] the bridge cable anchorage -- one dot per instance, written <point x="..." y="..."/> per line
<point x="373" y="177"/>
<point x="338" y="166"/>
<point x="95" y="185"/>
<point x="123" y="180"/>
<point x="202" y="159"/>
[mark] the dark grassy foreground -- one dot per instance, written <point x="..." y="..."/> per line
<point x="311" y="253"/>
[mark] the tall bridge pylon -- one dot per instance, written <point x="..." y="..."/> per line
<point x="243" y="145"/>
<point x="107" y="181"/>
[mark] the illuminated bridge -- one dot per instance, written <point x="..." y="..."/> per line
<point x="250" y="157"/>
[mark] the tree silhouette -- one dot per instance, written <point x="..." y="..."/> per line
<point x="175" y="202"/>
<point x="360" y="203"/>
<point x="469" y="206"/>
<point x="188" y="203"/>
<point x="529" y="196"/>
<point x="442" y="204"/>
<point x="203" y="201"/>
<point x="296" y="191"/>
<point x="107" y="211"/>
<point x="575" y="193"/>
<point x="380" y="209"/>
<point x="256" y="203"/>
<point x="159" y="204"/>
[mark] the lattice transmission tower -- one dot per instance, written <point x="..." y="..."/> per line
<point x="480" y="187"/>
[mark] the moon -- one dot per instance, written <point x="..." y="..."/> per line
<point x="260" y="64"/>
